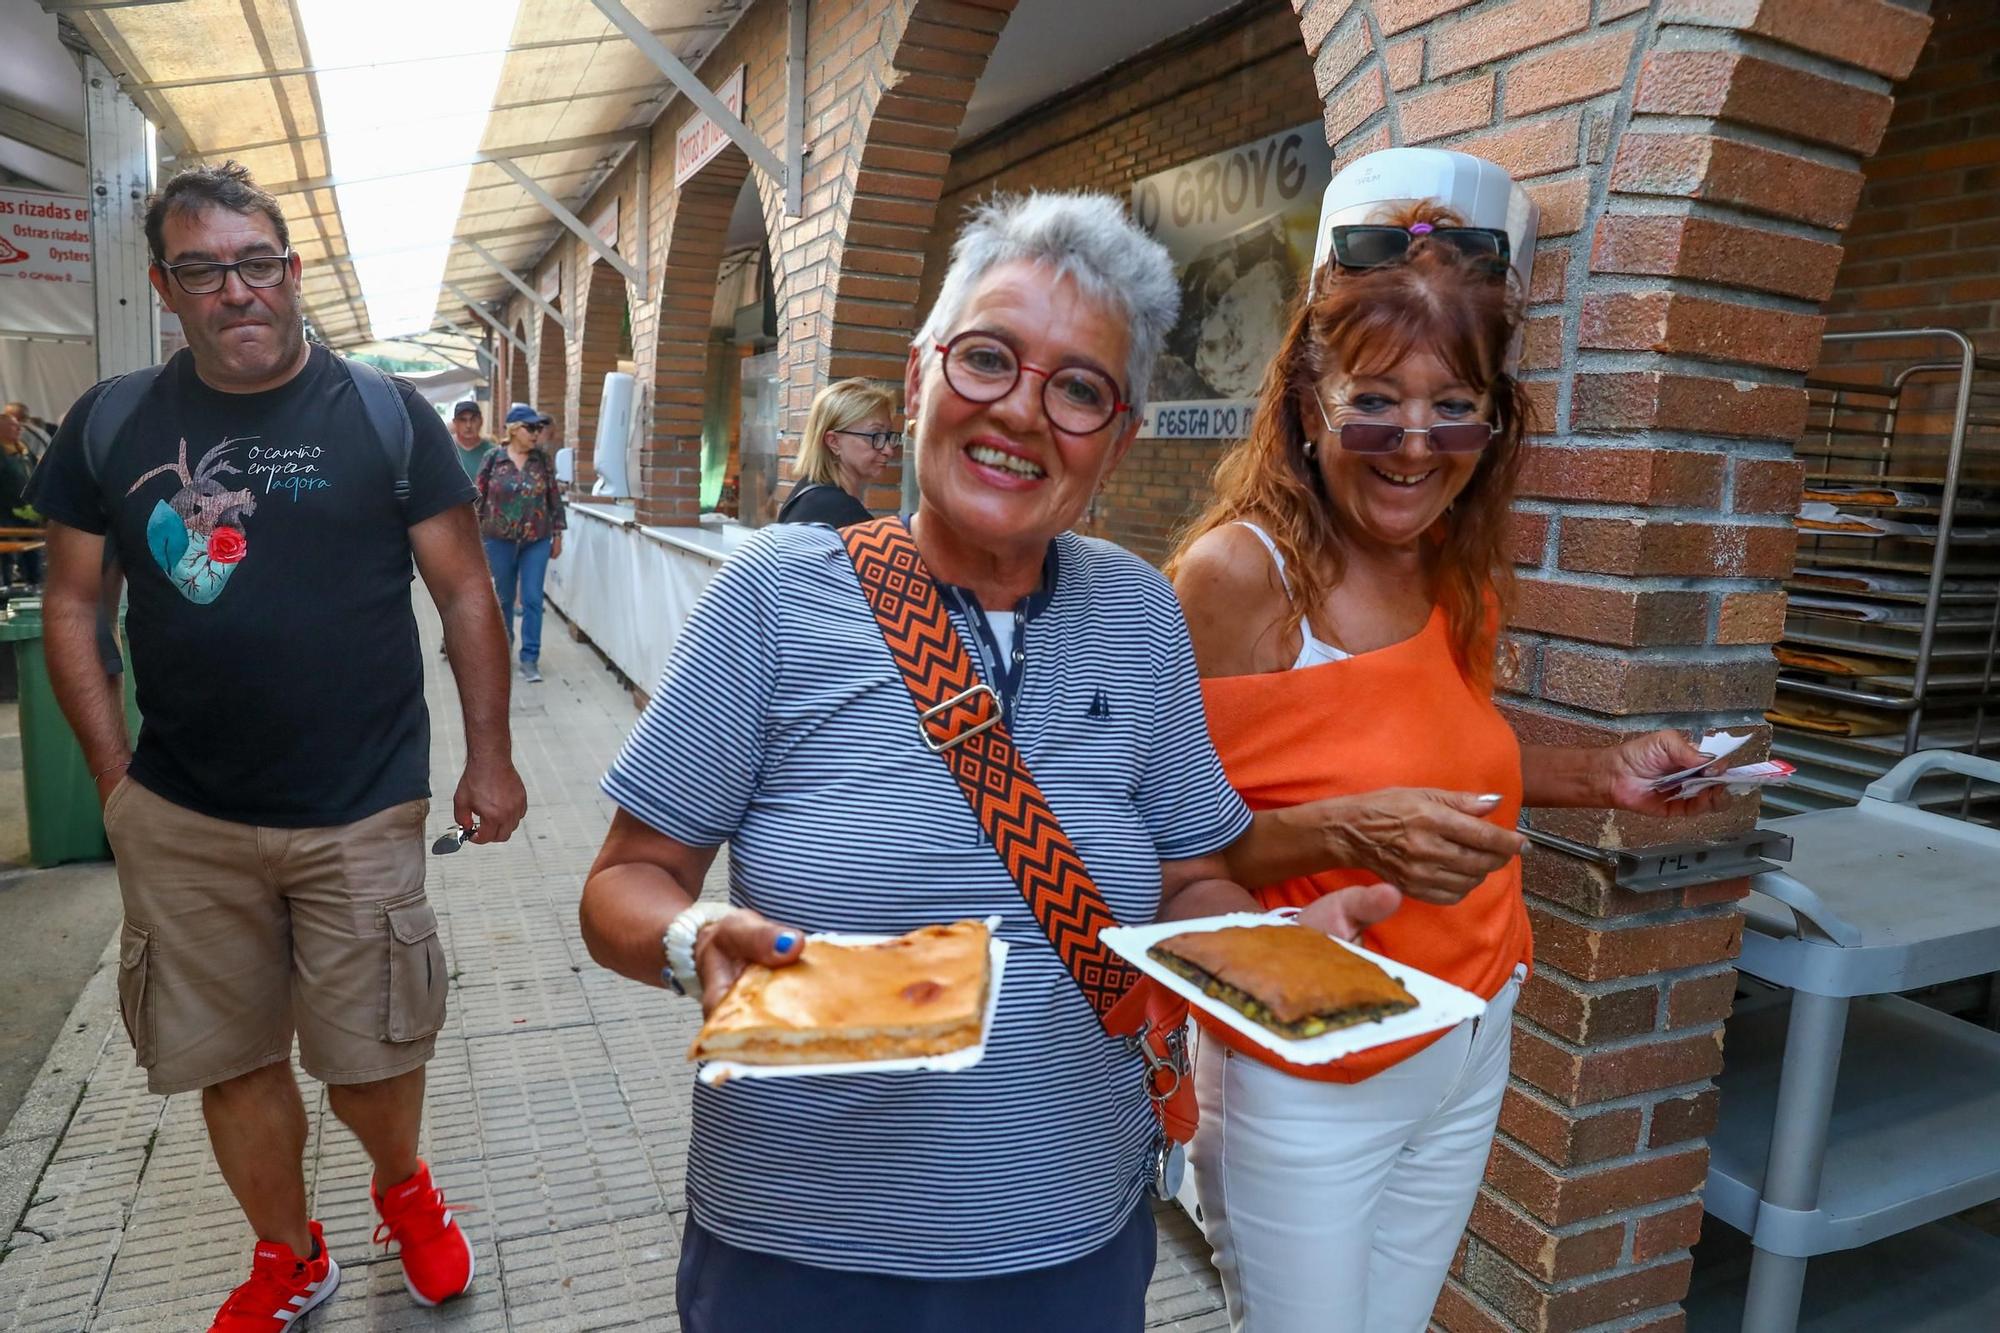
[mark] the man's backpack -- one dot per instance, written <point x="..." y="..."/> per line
<point x="388" y="419"/>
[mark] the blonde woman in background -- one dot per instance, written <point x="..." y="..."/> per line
<point x="848" y="441"/>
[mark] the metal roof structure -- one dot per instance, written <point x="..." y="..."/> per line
<point x="236" y="79"/>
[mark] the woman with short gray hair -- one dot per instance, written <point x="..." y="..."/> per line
<point x="1011" y="1195"/>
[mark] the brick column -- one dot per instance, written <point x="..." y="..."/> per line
<point x="549" y="389"/>
<point x="1694" y="161"/>
<point x="593" y="355"/>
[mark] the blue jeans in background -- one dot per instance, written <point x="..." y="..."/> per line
<point x="525" y="563"/>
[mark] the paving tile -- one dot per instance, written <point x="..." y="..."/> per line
<point x="115" y="1112"/>
<point x="86" y="1194"/>
<point x="557" y="1189"/>
<point x="596" y="1277"/>
<point x="521" y="1006"/>
<point x="52" y="1285"/>
<point x="541" y="1090"/>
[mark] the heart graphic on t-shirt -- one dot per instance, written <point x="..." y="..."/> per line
<point x="197" y="537"/>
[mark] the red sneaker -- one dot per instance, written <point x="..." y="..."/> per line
<point x="437" y="1258"/>
<point x="282" y="1287"/>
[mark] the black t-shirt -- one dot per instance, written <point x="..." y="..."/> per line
<point x="818" y="502"/>
<point x="274" y="645"/>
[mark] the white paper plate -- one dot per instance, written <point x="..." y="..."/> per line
<point x="1439" y="1003"/>
<point x="721" y="1071"/>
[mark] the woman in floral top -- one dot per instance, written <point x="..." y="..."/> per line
<point x="521" y="518"/>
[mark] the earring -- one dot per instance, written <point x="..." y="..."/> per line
<point x="1312" y="448"/>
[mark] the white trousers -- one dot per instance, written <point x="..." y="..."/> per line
<point x="1336" y="1207"/>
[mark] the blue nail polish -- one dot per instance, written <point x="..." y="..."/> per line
<point x="786" y="942"/>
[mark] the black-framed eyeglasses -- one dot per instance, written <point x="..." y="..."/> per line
<point x="1386" y="437"/>
<point x="981" y="367"/>
<point x="1360" y="247"/>
<point x="204" y="277"/>
<point x="881" y="441"/>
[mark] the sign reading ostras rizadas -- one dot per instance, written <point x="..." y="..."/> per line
<point x="44" y="237"/>
<point x="698" y="141"/>
<point x="1240" y="226"/>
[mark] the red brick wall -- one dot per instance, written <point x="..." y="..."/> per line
<point x="1244" y="78"/>
<point x="1924" y="246"/>
<point x="1695" y="162"/>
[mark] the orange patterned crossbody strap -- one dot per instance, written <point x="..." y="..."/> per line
<point x="959" y="718"/>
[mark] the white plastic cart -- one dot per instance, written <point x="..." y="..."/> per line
<point x="1848" y="1114"/>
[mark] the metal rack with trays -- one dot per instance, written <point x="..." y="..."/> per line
<point x="1894" y="617"/>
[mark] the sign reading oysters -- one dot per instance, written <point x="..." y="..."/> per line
<point x="1239" y="225"/>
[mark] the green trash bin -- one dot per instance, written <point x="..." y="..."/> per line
<point x="64" y="821"/>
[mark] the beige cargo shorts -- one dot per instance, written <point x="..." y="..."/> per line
<point x="237" y="936"/>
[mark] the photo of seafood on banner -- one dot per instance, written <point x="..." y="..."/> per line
<point x="1239" y="226"/>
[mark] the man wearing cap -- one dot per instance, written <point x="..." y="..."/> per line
<point x="466" y="423"/>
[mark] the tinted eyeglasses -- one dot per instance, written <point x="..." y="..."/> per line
<point x="201" y="277"/>
<point x="1371" y="246"/>
<point x="1385" y="437"/>
<point x="1078" y="400"/>
<point x="881" y="441"/>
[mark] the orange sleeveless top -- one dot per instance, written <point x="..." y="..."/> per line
<point x="1400" y="716"/>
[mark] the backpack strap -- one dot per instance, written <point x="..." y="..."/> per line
<point x="388" y="419"/>
<point x="109" y="412"/>
<point x="959" y="719"/>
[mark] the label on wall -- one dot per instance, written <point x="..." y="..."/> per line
<point x="697" y="142"/>
<point x="1240" y="226"/>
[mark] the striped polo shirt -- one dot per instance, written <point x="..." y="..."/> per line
<point x="782" y="727"/>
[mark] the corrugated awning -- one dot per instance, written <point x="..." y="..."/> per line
<point x="236" y="79"/>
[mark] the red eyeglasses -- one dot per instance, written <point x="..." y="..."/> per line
<point x="980" y="367"/>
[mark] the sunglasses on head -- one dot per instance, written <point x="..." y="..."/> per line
<point x="1360" y="247"/>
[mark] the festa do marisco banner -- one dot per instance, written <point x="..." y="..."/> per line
<point x="1240" y="226"/>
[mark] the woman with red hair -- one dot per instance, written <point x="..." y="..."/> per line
<point x="1345" y="590"/>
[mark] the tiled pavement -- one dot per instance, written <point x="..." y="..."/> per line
<point x="556" y="1113"/>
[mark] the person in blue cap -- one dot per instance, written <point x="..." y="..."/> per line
<point x="521" y="520"/>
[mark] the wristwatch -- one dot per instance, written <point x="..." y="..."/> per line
<point x="679" y="974"/>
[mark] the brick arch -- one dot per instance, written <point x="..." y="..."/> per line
<point x="549" y="390"/>
<point x="884" y="164"/>
<point x="897" y="177"/>
<point x="515" y="385"/>
<point x="689" y="262"/>
<point x="1695" y="165"/>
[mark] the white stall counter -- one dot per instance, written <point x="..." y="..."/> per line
<point x="630" y="587"/>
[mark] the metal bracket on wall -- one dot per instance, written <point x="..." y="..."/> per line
<point x="486" y="319"/>
<point x="1676" y="865"/>
<point x="513" y="278"/>
<point x="785" y="174"/>
<point x="576" y="224"/>
<point x="480" y="352"/>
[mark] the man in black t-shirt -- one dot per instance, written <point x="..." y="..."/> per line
<point x="269" y="825"/>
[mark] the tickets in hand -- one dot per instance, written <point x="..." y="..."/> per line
<point x="1718" y="745"/>
<point x="1770" y="773"/>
